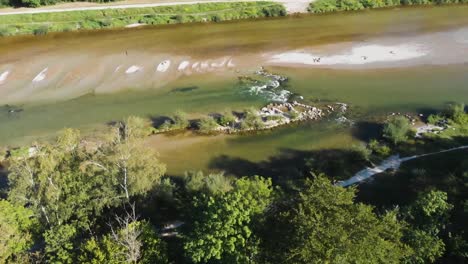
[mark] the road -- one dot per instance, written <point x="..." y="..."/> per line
<point x="292" y="6"/>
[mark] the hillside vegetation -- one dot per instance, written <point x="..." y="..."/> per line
<point x="42" y="23"/>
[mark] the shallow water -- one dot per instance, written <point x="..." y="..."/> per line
<point x="90" y="68"/>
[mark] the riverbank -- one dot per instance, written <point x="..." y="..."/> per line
<point x="39" y="23"/>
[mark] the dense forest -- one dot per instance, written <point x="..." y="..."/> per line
<point x="108" y="200"/>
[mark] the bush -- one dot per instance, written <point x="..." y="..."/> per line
<point x="350" y="5"/>
<point x="227" y="119"/>
<point x="397" y="129"/>
<point x="373" y="3"/>
<point x="207" y="125"/>
<point x="180" y="120"/>
<point x="251" y="120"/>
<point x="323" y="6"/>
<point x="456" y="112"/>
<point x="362" y="152"/>
<point x="379" y="149"/>
<point x="42" y="30"/>
<point x="434" y="119"/>
<point x="96" y="19"/>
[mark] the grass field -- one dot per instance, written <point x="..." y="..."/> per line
<point x="42" y="23"/>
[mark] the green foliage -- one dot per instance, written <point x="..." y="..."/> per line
<point x="67" y="184"/>
<point x="212" y="184"/>
<point x="328" y="226"/>
<point x="153" y="248"/>
<point x="104" y="250"/>
<point x="111" y="248"/>
<point x="427" y="216"/>
<point x="114" y="18"/>
<point x="30" y="3"/>
<point x="456" y="112"/>
<point x="227" y="119"/>
<point x="350" y="5"/>
<point x="378" y="148"/>
<point x="207" y="125"/>
<point x="251" y="120"/>
<point x="42" y="30"/>
<point x="223" y="228"/>
<point x="16" y="223"/>
<point x="434" y="119"/>
<point x="397" y="129"/>
<point x="362" y="152"/>
<point x="427" y="247"/>
<point x="59" y="243"/>
<point x="430" y="211"/>
<point x="180" y="120"/>
<point x="323" y="6"/>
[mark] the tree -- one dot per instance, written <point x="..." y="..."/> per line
<point x="69" y="183"/>
<point x="328" y="227"/>
<point x="60" y="244"/>
<point x="132" y="241"/>
<point x="15" y="225"/>
<point x="397" y="129"/>
<point x="427" y="215"/>
<point x="222" y="229"/>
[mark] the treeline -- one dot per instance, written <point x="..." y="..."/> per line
<point x="108" y="200"/>
<point x="324" y="6"/>
<point x="42" y="23"/>
<point x="37" y="3"/>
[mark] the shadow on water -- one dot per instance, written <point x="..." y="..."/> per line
<point x="184" y="89"/>
<point x="292" y="166"/>
<point x="366" y="130"/>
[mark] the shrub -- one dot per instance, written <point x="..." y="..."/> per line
<point x="30" y="3"/>
<point x="227" y="119"/>
<point x="350" y="5"/>
<point x="456" y="112"/>
<point x="207" y="125"/>
<point x="42" y="30"/>
<point x="379" y="149"/>
<point x="434" y="119"/>
<point x="373" y="3"/>
<point x="397" y="129"/>
<point x="323" y="6"/>
<point x="251" y="120"/>
<point x="362" y="152"/>
<point x="180" y="120"/>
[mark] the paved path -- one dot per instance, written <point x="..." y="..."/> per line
<point x="292" y="6"/>
<point x="392" y="162"/>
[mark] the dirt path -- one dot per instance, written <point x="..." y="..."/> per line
<point x="292" y="6"/>
<point x="392" y="162"/>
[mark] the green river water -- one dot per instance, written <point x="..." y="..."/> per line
<point x="370" y="92"/>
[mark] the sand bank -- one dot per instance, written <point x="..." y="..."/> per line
<point x="357" y="55"/>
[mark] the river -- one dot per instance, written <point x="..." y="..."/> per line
<point x="87" y="79"/>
